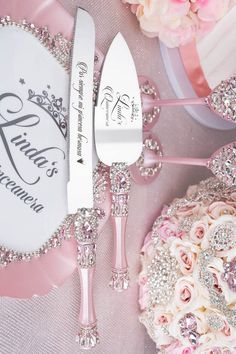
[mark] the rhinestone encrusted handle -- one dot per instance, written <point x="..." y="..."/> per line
<point x="85" y="231"/>
<point x="120" y="188"/>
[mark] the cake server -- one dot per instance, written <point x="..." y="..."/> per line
<point x="118" y="137"/>
<point x="80" y="185"/>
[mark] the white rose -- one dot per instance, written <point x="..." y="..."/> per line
<point x="186" y="254"/>
<point x="188" y="295"/>
<point x="198" y="230"/>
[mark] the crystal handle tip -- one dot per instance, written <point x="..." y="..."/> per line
<point x="88" y="337"/>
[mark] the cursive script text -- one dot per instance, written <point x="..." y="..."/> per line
<point x="117" y="106"/>
<point x="20" y="193"/>
<point x="79" y="107"/>
<point x="11" y="117"/>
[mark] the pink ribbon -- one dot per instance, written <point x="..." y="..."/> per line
<point x="193" y="69"/>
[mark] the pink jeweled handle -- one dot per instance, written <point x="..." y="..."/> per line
<point x="86" y="225"/>
<point x="120" y="188"/>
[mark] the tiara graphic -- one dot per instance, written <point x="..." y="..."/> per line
<point x="53" y="106"/>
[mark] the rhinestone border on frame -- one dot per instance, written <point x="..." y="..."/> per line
<point x="66" y="230"/>
<point x="57" y="45"/>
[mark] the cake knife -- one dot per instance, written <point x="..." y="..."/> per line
<point x="118" y="139"/>
<point x="80" y="185"/>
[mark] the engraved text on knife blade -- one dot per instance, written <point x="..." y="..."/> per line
<point x="79" y="107"/>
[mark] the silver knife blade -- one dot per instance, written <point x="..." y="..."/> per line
<point x="118" y="114"/>
<point x="81" y="141"/>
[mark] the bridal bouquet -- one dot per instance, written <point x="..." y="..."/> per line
<point x="177" y="22"/>
<point x="188" y="277"/>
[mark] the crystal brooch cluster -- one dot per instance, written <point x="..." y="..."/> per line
<point x="162" y="276"/>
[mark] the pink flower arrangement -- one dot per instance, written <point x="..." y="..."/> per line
<point x="177" y="22"/>
<point x="188" y="278"/>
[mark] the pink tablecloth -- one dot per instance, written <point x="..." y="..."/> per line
<point x="48" y="325"/>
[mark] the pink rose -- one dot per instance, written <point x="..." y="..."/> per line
<point x="177" y="348"/>
<point x="199" y="230"/>
<point x="162" y="318"/>
<point x="168" y="228"/>
<point x="218" y="209"/>
<point x="189" y="210"/>
<point x="185" y="253"/>
<point x="188" y="295"/>
<point x="185" y="292"/>
<point x="180" y="350"/>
